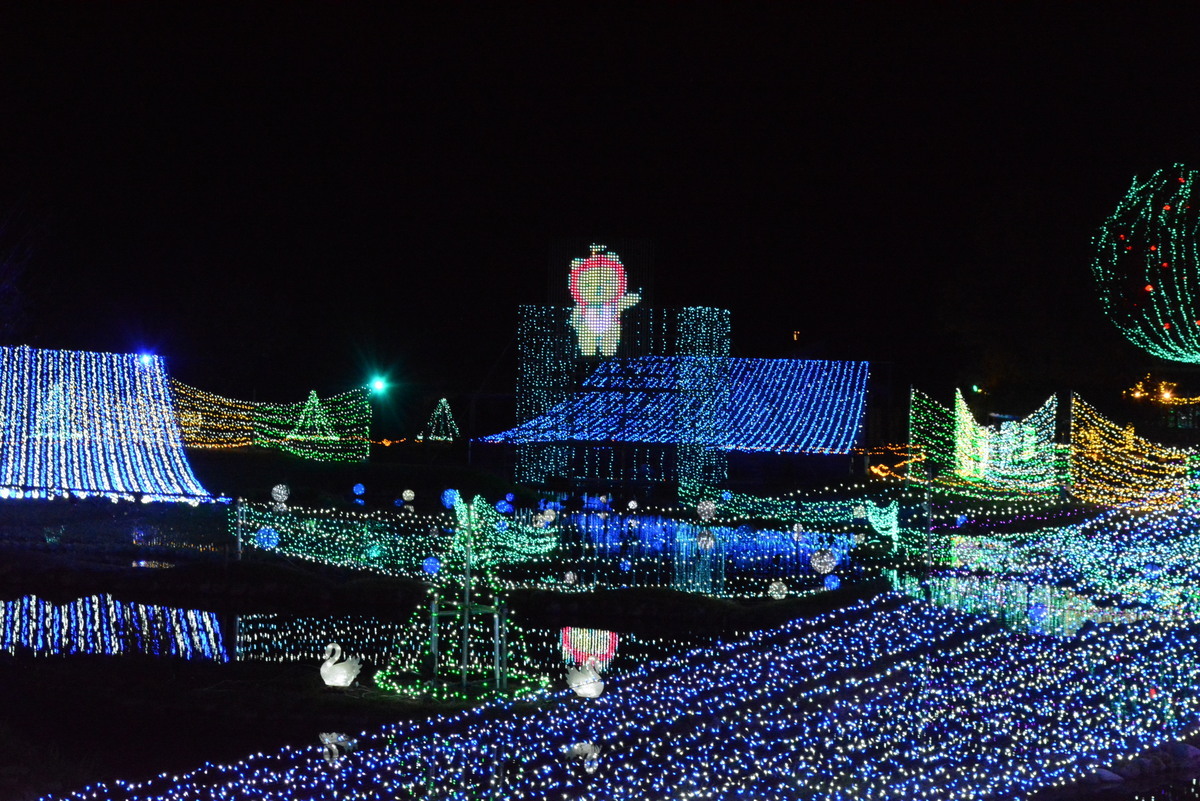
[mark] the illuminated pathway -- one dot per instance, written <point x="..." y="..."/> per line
<point x="888" y="699"/>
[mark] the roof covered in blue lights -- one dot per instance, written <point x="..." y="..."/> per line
<point x="756" y="405"/>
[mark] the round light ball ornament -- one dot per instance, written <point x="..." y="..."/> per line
<point x="823" y="561"/>
<point x="777" y="590"/>
<point x="408" y="495"/>
<point x="280" y="493"/>
<point x="266" y="538"/>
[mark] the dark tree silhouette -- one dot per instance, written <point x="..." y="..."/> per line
<point x="16" y="251"/>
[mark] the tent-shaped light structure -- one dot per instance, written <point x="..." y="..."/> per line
<point x="1017" y="456"/>
<point x="754" y="405"/>
<point x="86" y="424"/>
<point x="1111" y="465"/>
<point x="1104" y="463"/>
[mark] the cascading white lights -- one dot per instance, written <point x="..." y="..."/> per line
<point x="82" y="424"/>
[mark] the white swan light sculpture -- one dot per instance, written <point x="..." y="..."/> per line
<point x="335" y="745"/>
<point x="338" y="672"/>
<point x="585" y="681"/>
<point x="587" y="753"/>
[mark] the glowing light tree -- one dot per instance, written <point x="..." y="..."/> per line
<point x="1147" y="266"/>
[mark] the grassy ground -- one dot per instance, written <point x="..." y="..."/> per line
<point x="73" y="721"/>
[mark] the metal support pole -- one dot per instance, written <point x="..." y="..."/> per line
<point x="466" y="609"/>
<point x="241" y="517"/>
<point x="433" y="634"/>
<point x="496" y="644"/>
<point x="502" y="611"/>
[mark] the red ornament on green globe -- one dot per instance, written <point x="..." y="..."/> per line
<point x="1147" y="268"/>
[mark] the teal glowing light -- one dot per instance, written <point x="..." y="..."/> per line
<point x="378" y="385"/>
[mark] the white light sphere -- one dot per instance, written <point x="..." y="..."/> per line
<point x="705" y="540"/>
<point x="823" y="561"/>
<point x="860" y="511"/>
<point x="585" y="681"/>
<point x="570" y="578"/>
<point x="280" y="493"/>
<point x="549" y="515"/>
<point x="632" y="505"/>
<point x="706" y="510"/>
<point x="777" y="590"/>
<point x="407" y="496"/>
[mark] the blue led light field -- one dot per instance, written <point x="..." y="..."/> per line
<point x="888" y="699"/>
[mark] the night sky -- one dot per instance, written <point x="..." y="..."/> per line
<point x="295" y="196"/>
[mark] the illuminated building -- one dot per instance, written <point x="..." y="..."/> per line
<point x="655" y="400"/>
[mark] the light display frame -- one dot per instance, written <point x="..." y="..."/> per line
<point x="551" y="371"/>
<point x="1112" y="466"/>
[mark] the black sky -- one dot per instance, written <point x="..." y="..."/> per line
<point x="280" y="197"/>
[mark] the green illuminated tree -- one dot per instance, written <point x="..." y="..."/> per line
<point x="441" y="426"/>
